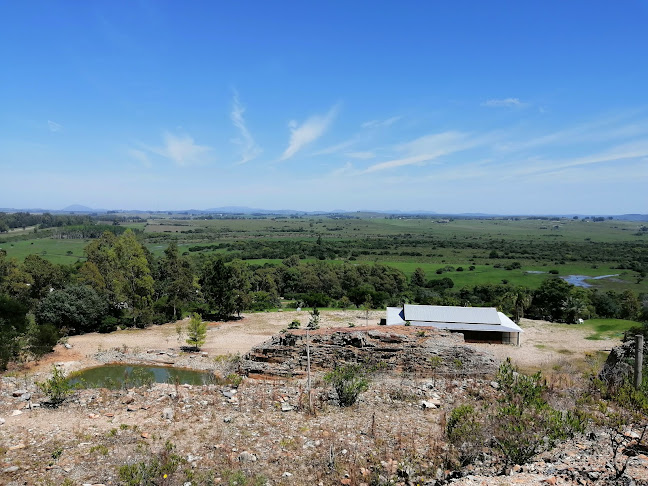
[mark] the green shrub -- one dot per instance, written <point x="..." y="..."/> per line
<point x="524" y="423"/>
<point x="57" y="388"/>
<point x="295" y="324"/>
<point x="465" y="433"/>
<point x="348" y="381"/>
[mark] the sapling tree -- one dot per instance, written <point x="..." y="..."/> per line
<point x="196" y="331"/>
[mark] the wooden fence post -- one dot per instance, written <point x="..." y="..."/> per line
<point x="639" y="344"/>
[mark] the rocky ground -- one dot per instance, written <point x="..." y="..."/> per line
<point x="260" y="431"/>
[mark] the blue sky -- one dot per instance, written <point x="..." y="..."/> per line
<point x="496" y="107"/>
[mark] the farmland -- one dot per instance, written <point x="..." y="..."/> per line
<point x="471" y="251"/>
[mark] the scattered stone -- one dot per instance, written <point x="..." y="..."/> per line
<point x="109" y="415"/>
<point x="128" y="399"/>
<point x="229" y="393"/>
<point x="246" y="456"/>
<point x="131" y="408"/>
<point x="2" y="421"/>
<point x="18" y="393"/>
<point x="167" y="414"/>
<point x="145" y="435"/>
<point x="427" y="404"/>
<point x="286" y="474"/>
<point x="227" y="420"/>
<point x="286" y="407"/>
<point x="25" y="396"/>
<point x="16" y="412"/>
<point x="67" y="345"/>
<point x="494" y="384"/>
<point x="10" y="469"/>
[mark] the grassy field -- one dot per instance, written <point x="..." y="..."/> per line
<point x="523" y="229"/>
<point x="608" y="328"/>
<point x="55" y="250"/>
<point x="457" y="243"/>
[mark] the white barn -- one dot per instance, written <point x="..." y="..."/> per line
<point x="477" y="324"/>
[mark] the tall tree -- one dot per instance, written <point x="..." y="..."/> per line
<point x="217" y="287"/>
<point x="134" y="282"/>
<point x="176" y="280"/>
<point x="517" y="301"/>
<point x="240" y="277"/>
<point x="46" y="276"/>
<point x="77" y="308"/>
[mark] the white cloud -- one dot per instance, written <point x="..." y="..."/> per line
<point x="333" y="149"/>
<point x="182" y="149"/>
<point x="628" y="151"/>
<point x="361" y="155"/>
<point x="392" y="164"/>
<point x="381" y="123"/>
<point x="599" y="130"/>
<point x="140" y="156"/>
<point x="250" y="150"/>
<point x="504" y="103"/>
<point x="308" y="132"/>
<point x="431" y="147"/>
<point x="53" y="126"/>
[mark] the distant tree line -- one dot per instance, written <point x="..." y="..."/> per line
<point x="46" y="220"/>
<point x="122" y="283"/>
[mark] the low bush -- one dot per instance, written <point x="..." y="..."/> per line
<point x="57" y="388"/>
<point x="348" y="381"/>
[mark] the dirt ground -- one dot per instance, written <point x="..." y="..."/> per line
<point x="543" y="344"/>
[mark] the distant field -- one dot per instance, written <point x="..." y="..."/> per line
<point x="436" y="242"/>
<point x="560" y="230"/>
<point x="54" y="250"/>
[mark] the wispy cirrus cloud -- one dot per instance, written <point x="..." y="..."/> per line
<point x="381" y="123"/>
<point x="361" y="155"/>
<point x="53" y="126"/>
<point x="182" y="149"/>
<point x="430" y="147"/>
<point x="637" y="150"/>
<point x="141" y="156"/>
<point x="309" y="131"/>
<point x="249" y="148"/>
<point x="504" y="103"/>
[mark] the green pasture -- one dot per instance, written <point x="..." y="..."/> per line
<point x="552" y="230"/>
<point x="54" y="250"/>
<point x="608" y="328"/>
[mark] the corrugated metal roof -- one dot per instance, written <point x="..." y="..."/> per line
<point x="451" y="314"/>
<point x="509" y="323"/>
<point x="455" y="326"/>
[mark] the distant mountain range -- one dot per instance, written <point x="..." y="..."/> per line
<point x="244" y="210"/>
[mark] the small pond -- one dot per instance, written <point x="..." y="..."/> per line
<point x="579" y="280"/>
<point x="128" y="376"/>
